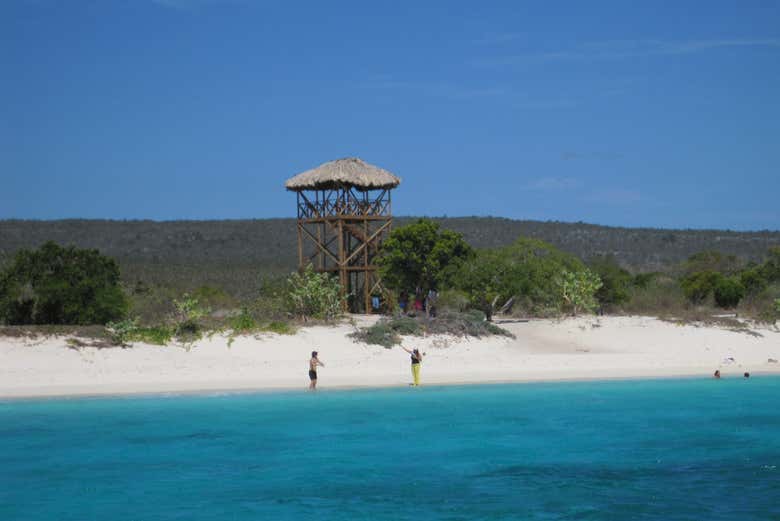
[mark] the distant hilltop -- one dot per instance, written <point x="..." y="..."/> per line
<point x="269" y="245"/>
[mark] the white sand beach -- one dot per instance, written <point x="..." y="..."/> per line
<point x="574" y="348"/>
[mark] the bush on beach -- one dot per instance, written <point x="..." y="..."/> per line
<point x="578" y="290"/>
<point x="121" y="331"/>
<point x="157" y="335"/>
<point x="61" y="285"/>
<point x="728" y="292"/>
<point x="187" y="317"/>
<point x="314" y="295"/>
<point x="616" y="282"/>
<point x="387" y="331"/>
<point x="244" y="322"/>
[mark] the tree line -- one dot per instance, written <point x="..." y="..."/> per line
<point x="535" y="278"/>
<point x="69" y="285"/>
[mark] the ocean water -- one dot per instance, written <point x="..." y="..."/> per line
<point x="665" y="449"/>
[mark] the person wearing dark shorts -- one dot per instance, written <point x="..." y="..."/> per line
<point x="313" y="363"/>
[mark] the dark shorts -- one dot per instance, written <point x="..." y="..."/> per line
<point x="312" y="375"/>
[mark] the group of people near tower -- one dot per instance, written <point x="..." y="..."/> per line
<point x="315" y="362"/>
<point x="421" y="303"/>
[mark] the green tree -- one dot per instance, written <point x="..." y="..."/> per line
<point x="728" y="292"/>
<point x="753" y="281"/>
<point x="616" y="281"/>
<point x="526" y="270"/>
<point x="421" y="255"/>
<point x="486" y="279"/>
<point x="643" y="280"/>
<point x="770" y="270"/>
<point x="698" y="286"/>
<point x="532" y="268"/>
<point x="578" y="290"/>
<point x="314" y="295"/>
<point x="56" y="285"/>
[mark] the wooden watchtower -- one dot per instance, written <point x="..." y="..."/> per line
<point x="344" y="212"/>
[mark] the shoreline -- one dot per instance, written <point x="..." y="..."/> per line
<point x="569" y="350"/>
<point x="219" y="391"/>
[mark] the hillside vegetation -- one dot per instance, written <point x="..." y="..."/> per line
<point x="235" y="255"/>
<point x="181" y="279"/>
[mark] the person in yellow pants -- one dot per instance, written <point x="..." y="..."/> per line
<point x="416" y="359"/>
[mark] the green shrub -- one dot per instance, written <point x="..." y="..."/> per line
<point x="152" y="303"/>
<point x="472" y="323"/>
<point x="121" y="331"/>
<point x="387" y="331"/>
<point x="452" y="300"/>
<point x="314" y="295"/>
<point x="770" y="270"/>
<point x="616" y="282"/>
<point x="471" y="316"/>
<point x="405" y="325"/>
<point x="187" y="317"/>
<point x="699" y="286"/>
<point x="578" y="290"/>
<point x="243" y="322"/>
<point x="764" y="307"/>
<point x="280" y="328"/>
<point x="752" y="281"/>
<point x="643" y="280"/>
<point x="213" y="297"/>
<point x="381" y="334"/>
<point x="662" y="296"/>
<point x="56" y="285"/>
<point x="271" y="301"/>
<point x="157" y="335"/>
<point x="728" y="292"/>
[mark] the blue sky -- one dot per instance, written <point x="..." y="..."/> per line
<point x="661" y="114"/>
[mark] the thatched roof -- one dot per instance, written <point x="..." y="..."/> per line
<point x="350" y="171"/>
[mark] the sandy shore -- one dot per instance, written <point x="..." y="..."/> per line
<point x="577" y="348"/>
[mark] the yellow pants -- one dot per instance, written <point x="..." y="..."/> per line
<point x="416" y="373"/>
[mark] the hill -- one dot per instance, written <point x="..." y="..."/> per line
<point x="234" y="254"/>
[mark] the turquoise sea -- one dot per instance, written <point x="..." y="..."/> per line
<point x="652" y="449"/>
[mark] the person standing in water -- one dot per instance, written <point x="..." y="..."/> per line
<point x="313" y="363"/>
<point x="416" y="359"/>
